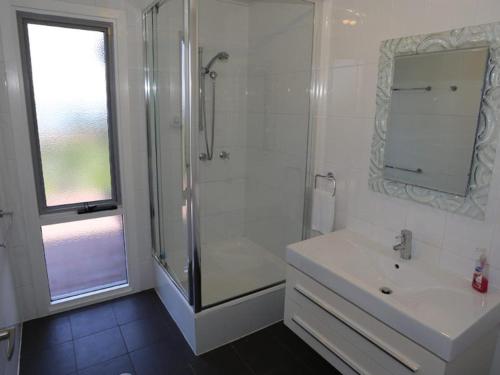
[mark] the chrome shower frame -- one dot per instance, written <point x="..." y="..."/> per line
<point x="191" y="146"/>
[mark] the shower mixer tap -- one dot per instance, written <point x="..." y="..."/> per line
<point x="224" y="155"/>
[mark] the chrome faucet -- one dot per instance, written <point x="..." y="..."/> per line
<point x="404" y="247"/>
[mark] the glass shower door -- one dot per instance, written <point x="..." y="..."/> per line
<point x="229" y="149"/>
<point x="255" y="76"/>
<point x="164" y="31"/>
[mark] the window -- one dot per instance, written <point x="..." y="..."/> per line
<point x="84" y="256"/>
<point x="69" y="85"/>
<point x="69" y="91"/>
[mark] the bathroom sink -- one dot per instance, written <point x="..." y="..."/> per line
<point x="437" y="310"/>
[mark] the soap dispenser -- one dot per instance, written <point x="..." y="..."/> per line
<point x="480" y="276"/>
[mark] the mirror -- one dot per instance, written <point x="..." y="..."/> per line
<point x="438" y="105"/>
<point x="433" y="118"/>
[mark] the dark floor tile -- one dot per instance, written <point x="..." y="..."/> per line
<point x="290" y="368"/>
<point x="301" y="351"/>
<point x="138" y="306"/>
<point x="318" y="365"/>
<point x="221" y="361"/>
<point x="286" y="336"/>
<point x="99" y="347"/>
<point x="262" y="352"/>
<point x="116" y="366"/>
<point x="156" y="345"/>
<point x="164" y="357"/>
<point x="46" y="332"/>
<point x="92" y="319"/>
<point x="141" y="333"/>
<point x="175" y="337"/>
<point x="58" y="360"/>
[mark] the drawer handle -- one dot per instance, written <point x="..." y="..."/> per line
<point x="328" y="345"/>
<point x="396" y="355"/>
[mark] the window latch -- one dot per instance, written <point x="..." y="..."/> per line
<point x="88" y="208"/>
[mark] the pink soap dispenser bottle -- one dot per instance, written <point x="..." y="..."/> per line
<point x="480" y="276"/>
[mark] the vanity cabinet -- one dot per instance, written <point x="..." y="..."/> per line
<point x="355" y="342"/>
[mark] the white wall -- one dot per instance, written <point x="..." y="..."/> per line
<point x="223" y="26"/>
<point x="9" y="313"/>
<point x="15" y="258"/>
<point x="345" y="118"/>
<point x="279" y="61"/>
<point x="26" y="259"/>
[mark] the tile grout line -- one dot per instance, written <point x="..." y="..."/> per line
<point x="100" y="331"/>
<point x="73" y="344"/>
<point x="68" y="320"/>
<point x="126" y="346"/>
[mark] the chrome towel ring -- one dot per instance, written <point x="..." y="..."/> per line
<point x="330" y="177"/>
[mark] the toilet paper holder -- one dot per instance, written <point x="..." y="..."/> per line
<point x="330" y="177"/>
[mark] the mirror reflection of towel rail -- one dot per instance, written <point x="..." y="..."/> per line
<point x="426" y="88"/>
<point x="418" y="170"/>
<point x="330" y="177"/>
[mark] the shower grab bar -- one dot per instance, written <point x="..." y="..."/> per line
<point x="330" y="177"/>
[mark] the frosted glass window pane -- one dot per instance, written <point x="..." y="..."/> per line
<point x="84" y="256"/>
<point x="70" y="91"/>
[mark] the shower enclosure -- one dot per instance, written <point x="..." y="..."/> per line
<point x="228" y="86"/>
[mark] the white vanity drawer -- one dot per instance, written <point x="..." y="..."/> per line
<point x="346" y="357"/>
<point x="340" y="321"/>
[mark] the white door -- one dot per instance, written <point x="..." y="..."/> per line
<point x="68" y="67"/>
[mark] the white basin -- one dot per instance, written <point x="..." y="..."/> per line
<point x="437" y="310"/>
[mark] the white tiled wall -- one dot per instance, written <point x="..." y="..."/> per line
<point x="279" y="60"/>
<point x="261" y="119"/>
<point x="13" y="235"/>
<point x="223" y="26"/>
<point x="345" y="118"/>
<point x="9" y="313"/>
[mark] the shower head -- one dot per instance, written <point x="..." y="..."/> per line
<point x="221" y="56"/>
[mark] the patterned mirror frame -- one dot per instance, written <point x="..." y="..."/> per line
<point x="474" y="204"/>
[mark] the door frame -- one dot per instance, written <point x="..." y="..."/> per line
<point x="25" y="169"/>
